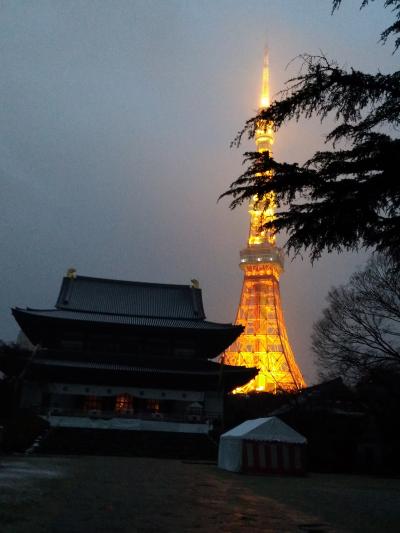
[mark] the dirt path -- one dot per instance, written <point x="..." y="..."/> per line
<point x="128" y="495"/>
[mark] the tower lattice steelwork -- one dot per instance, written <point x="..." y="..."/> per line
<point x="264" y="343"/>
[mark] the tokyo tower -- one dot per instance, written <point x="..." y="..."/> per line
<point x="264" y="342"/>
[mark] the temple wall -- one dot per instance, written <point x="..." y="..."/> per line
<point x="31" y="396"/>
<point x="101" y="390"/>
<point x="213" y="402"/>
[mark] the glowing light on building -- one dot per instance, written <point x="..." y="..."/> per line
<point x="264" y="99"/>
<point x="123" y="404"/>
<point x="264" y="343"/>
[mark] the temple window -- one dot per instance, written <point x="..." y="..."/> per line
<point x="184" y="349"/>
<point x="155" y="347"/>
<point x="153" y="406"/>
<point x="92" y="403"/>
<point x="123" y="403"/>
<point x="71" y="344"/>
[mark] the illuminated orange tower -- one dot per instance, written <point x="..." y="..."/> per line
<point x="264" y="342"/>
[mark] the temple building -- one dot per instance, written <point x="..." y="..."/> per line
<point x="264" y="343"/>
<point x="125" y="355"/>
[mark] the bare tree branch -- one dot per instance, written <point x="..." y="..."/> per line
<point x="354" y="334"/>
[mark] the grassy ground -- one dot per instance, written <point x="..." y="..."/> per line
<point x="119" y="494"/>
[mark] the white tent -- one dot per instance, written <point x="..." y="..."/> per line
<point x="264" y="432"/>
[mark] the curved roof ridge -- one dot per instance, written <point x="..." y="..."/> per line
<point x="129" y="282"/>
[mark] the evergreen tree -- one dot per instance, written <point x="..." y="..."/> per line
<point x="347" y="197"/>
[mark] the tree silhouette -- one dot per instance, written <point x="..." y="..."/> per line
<point x="345" y="198"/>
<point x="359" y="331"/>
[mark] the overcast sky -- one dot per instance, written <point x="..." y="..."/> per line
<point x="115" y="124"/>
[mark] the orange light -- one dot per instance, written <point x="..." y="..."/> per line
<point x="264" y="342"/>
<point x="123" y="404"/>
<point x="264" y="102"/>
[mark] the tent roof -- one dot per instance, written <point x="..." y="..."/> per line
<point x="268" y="429"/>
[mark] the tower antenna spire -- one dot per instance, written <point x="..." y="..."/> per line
<point x="264" y="343"/>
<point x="265" y="98"/>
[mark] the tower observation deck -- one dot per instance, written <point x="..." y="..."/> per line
<point x="264" y="342"/>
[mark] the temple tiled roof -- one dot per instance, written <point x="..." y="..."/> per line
<point x="124" y="369"/>
<point x="206" y="369"/>
<point x="130" y="298"/>
<point x="141" y="321"/>
<point x="134" y="316"/>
